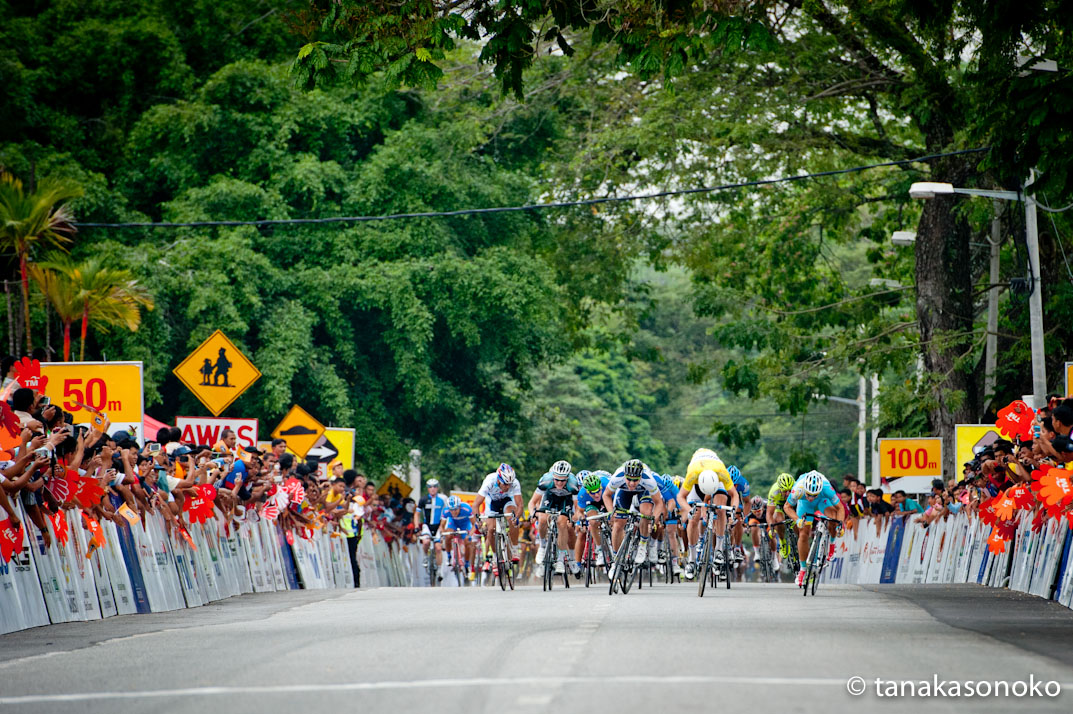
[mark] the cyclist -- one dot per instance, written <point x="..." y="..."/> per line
<point x="504" y="496"/>
<point x="776" y="499"/>
<point x="718" y="488"/>
<point x="757" y="519"/>
<point x="739" y="525"/>
<point x="430" y="508"/>
<point x="668" y="490"/>
<point x="589" y="503"/>
<point x="813" y="493"/>
<point x="557" y="491"/>
<point x="633" y="484"/>
<point x="458" y="518"/>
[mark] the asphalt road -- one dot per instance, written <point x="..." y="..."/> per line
<point x="481" y="650"/>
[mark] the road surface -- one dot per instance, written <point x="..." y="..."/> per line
<point x="481" y="650"/>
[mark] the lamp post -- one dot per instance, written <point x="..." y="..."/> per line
<point x="931" y="189"/>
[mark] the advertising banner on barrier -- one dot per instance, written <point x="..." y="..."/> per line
<point x="894" y="549"/>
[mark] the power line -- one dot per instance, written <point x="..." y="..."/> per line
<point x="531" y="206"/>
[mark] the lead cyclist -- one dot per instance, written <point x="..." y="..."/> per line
<point x="776" y="499"/>
<point x="813" y="493"/>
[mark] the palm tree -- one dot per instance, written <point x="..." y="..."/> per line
<point x="62" y="293"/>
<point x="38" y="218"/>
<point x="105" y="297"/>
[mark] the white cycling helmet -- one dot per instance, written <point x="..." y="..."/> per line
<point x="561" y="468"/>
<point x="704" y="454"/>
<point x="505" y="474"/>
<point x="813" y="483"/>
<point x="707" y="482"/>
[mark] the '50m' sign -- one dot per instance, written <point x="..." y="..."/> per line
<point x="111" y="387"/>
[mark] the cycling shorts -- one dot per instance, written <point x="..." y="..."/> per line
<point x="754" y="519"/>
<point x="499" y="505"/>
<point x="553" y="502"/>
<point x="695" y="496"/>
<point x="625" y="500"/>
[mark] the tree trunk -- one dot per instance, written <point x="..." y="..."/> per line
<point x="85" y="324"/>
<point x="25" y="300"/>
<point x="66" y="341"/>
<point x="945" y="311"/>
<point x="10" y="319"/>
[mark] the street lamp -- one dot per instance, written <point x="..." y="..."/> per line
<point x="931" y="189"/>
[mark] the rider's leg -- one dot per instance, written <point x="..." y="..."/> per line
<point x="618" y="525"/>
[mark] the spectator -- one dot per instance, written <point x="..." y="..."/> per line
<point x="876" y="505"/>
<point x="904" y="504"/>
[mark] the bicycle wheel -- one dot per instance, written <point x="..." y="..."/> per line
<point x="810" y="564"/>
<point x="431" y="558"/>
<point x="626" y="570"/>
<point x="821" y="558"/>
<point x="502" y="566"/>
<point x="705" y="564"/>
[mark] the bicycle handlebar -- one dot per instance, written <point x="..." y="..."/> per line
<point x="598" y="516"/>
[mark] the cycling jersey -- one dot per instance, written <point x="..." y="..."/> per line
<point x="588" y="501"/>
<point x="696" y="466"/>
<point x="777" y="496"/>
<point x="804" y="505"/>
<point x="461" y="519"/>
<point x="742" y="485"/>
<point x="498" y="496"/>
<point x="668" y="491"/>
<point x="647" y="483"/>
<point x="558" y="498"/>
<point x="432" y="508"/>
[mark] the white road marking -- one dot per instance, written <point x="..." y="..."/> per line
<point x="543" y="681"/>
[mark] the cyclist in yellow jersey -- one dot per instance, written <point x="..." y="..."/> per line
<point x="708" y="470"/>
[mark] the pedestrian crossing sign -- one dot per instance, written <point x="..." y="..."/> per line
<point x="217" y="373"/>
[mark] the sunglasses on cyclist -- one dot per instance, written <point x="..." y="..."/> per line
<point x="634" y="479"/>
<point x="557" y="479"/>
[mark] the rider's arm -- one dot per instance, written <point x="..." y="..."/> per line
<point x="609" y="500"/>
<point x="534" y="500"/>
<point x="790" y="511"/>
<point x="734" y="498"/>
<point x="478" y="500"/>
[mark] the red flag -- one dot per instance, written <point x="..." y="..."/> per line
<point x="88" y="492"/>
<point x="28" y="374"/>
<point x="1056" y="488"/>
<point x="1015" y="420"/>
<point x="1022" y="496"/>
<point x="987" y="510"/>
<point x="10" y="539"/>
<point x="8" y="420"/>
<point x="270" y="512"/>
<point x="59" y="525"/>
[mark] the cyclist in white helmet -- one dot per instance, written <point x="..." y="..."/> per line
<point x="813" y="493"/>
<point x="503" y="494"/>
<point x="557" y="490"/>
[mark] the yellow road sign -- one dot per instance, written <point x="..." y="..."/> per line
<point x="85" y="388"/>
<point x="394" y="486"/>
<point x="969" y="439"/>
<point x="1069" y="379"/>
<point x="217" y="373"/>
<point x="910" y="457"/>
<point x="300" y="430"/>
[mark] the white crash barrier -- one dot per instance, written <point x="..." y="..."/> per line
<point x="148" y="567"/>
<point x="901" y="550"/>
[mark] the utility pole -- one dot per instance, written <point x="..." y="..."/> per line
<point x="991" y="354"/>
<point x="1035" y="301"/>
<point x="875" y="431"/>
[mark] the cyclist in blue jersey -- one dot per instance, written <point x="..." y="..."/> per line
<point x="458" y="517"/>
<point x="812" y="494"/>
<point x="430" y="510"/>
<point x="557" y="491"/>
<point x="742" y="487"/>
<point x="668" y="489"/>
<point x="590" y="503"/>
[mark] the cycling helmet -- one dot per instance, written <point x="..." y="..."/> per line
<point x="666" y="477"/>
<point x="505" y="474"/>
<point x="590" y="481"/>
<point x="633" y="469"/>
<point x="453" y="502"/>
<point x="708" y="482"/>
<point x="678" y="481"/>
<point x="734" y="473"/>
<point x="813" y="483"/>
<point x="432" y="482"/>
<point x="756" y="504"/>
<point x="784" y="482"/>
<point x="704" y="454"/>
<point x="561" y="468"/>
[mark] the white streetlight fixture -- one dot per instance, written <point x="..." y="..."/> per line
<point x="903" y="238"/>
<point x="931" y="189"/>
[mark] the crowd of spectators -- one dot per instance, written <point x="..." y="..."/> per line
<point x="996" y="468"/>
<point x="50" y="464"/>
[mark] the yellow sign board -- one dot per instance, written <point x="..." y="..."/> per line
<point x="970" y="439"/>
<point x="911" y="457"/>
<point x="300" y="430"/>
<point x="343" y="441"/>
<point x="217" y="373"/>
<point x="1069" y="380"/>
<point x="467" y="497"/>
<point x="84" y="388"/>
<point x="394" y="486"/>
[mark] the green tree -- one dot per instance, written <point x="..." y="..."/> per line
<point x="32" y="220"/>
